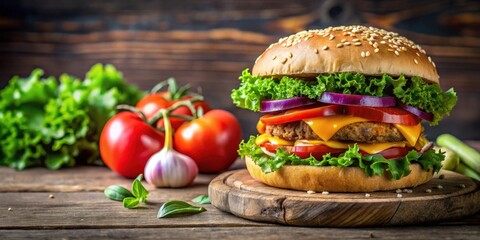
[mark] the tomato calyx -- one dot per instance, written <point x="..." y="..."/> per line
<point x="174" y="92"/>
<point x="162" y="113"/>
<point x="189" y="103"/>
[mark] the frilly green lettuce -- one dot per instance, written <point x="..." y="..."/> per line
<point x="48" y="123"/>
<point x="414" y="91"/>
<point x="372" y="164"/>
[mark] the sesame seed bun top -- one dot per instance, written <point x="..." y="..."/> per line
<point x="366" y="50"/>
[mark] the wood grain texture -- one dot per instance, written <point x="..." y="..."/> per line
<point x="78" y="179"/>
<point x="74" y="213"/>
<point x="238" y="193"/>
<point x="209" y="43"/>
<point x="264" y="232"/>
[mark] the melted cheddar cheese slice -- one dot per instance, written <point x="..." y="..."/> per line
<point x="370" y="148"/>
<point x="411" y="133"/>
<point x="274" y="140"/>
<point x="326" y="127"/>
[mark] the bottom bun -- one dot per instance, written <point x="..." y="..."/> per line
<point x="335" y="179"/>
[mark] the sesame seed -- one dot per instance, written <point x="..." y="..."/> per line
<point x="274" y="57"/>
<point x="429" y="59"/>
<point x="418" y="54"/>
<point x="399" y="195"/>
<point x="331" y="37"/>
<point x="441" y="176"/>
<point x="325" y="193"/>
<point x="357" y="44"/>
<point x="433" y="64"/>
<point x="339" y="45"/>
<point x="290" y="55"/>
<point x="343" y="40"/>
<point x="362" y="54"/>
<point x="345" y="33"/>
<point x="367" y="194"/>
<point x="382" y="42"/>
<point x="399" y="191"/>
<point x="415" y="60"/>
<point x="367" y="54"/>
<point x="346" y="43"/>
<point x="51" y="196"/>
<point x="355" y="40"/>
<point x="462" y="186"/>
<point x="375" y="45"/>
<point x="9" y="209"/>
<point x="428" y="190"/>
<point x="439" y="186"/>
<point x="390" y="50"/>
<point x="376" y="50"/>
<point x="316" y="51"/>
<point x="310" y="192"/>
<point x="284" y="60"/>
<point x="397" y="53"/>
<point x="325" y="48"/>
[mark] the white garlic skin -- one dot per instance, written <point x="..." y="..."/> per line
<point x="169" y="168"/>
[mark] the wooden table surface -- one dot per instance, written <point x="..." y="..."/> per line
<point x="79" y="209"/>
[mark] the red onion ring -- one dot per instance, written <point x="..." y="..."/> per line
<point x="353" y="99"/>
<point x="283" y="104"/>
<point x="419" y="113"/>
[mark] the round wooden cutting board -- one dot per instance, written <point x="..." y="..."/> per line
<point x="452" y="195"/>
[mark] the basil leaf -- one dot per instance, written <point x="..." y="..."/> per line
<point x="177" y="207"/>
<point x="202" y="199"/>
<point x="139" y="177"/>
<point x="117" y="193"/>
<point x="130" y="202"/>
<point x="139" y="190"/>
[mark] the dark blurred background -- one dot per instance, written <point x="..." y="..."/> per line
<point x="208" y="43"/>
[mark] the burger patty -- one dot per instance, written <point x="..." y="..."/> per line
<point x="364" y="132"/>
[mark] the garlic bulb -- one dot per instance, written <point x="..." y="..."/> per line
<point x="169" y="168"/>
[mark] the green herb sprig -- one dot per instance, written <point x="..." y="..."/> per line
<point x="176" y="207"/>
<point x="130" y="199"/>
<point x="201" y="199"/>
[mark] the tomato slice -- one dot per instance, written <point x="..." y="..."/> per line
<point x="383" y="114"/>
<point x="317" y="151"/>
<point x="301" y="113"/>
<point x="394" y="152"/>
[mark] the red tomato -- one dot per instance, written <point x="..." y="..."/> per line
<point x="318" y="151"/>
<point x="127" y="142"/>
<point x="211" y="140"/>
<point x="151" y="103"/>
<point x="298" y="114"/>
<point x="384" y="115"/>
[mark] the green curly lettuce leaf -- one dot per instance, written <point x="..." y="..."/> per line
<point x="54" y="124"/>
<point x="414" y="91"/>
<point x="372" y="165"/>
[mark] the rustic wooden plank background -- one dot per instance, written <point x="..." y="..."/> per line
<point x="208" y="43"/>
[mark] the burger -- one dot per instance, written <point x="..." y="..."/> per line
<point x="342" y="111"/>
